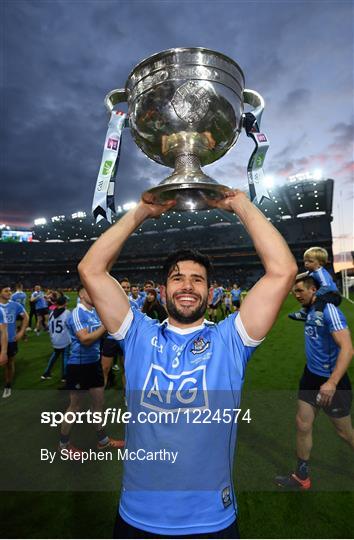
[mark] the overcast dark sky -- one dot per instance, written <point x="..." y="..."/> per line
<point x="60" y="58"/>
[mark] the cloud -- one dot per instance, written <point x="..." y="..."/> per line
<point x="296" y="100"/>
<point x="343" y="136"/>
<point x="62" y="58"/>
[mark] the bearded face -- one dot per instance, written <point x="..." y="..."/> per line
<point x="187" y="293"/>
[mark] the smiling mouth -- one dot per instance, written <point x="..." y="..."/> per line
<point x="186" y="299"/>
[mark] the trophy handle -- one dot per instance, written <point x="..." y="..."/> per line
<point x="251" y="97"/>
<point x="114" y="97"/>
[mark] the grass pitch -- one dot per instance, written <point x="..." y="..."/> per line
<point x="39" y="501"/>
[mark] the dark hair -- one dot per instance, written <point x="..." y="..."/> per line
<point x="124" y="279"/>
<point x="308" y="281"/>
<point x="153" y="292"/>
<point x="149" y="282"/>
<point x="61" y="300"/>
<point x="186" y="255"/>
<point x="2" y="286"/>
<point x="79" y="288"/>
<point x="150" y="305"/>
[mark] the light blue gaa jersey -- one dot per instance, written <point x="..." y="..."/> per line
<point x="20" y="297"/>
<point x="79" y="319"/>
<point x="137" y="302"/>
<point x="235" y="294"/>
<point x="12" y="310"/>
<point x="324" y="280"/>
<point x="190" y="371"/>
<point x="58" y="331"/>
<point x="218" y="293"/>
<point x="133" y="303"/>
<point x="3" y="319"/>
<point x="40" y="301"/>
<point x="321" y="349"/>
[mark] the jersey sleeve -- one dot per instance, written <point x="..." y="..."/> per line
<point x="237" y="340"/>
<point x="19" y="309"/>
<point x="334" y="318"/>
<point x="79" y="320"/>
<point x="3" y="319"/>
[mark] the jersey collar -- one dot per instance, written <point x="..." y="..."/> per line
<point x="184" y="331"/>
<point x="85" y="308"/>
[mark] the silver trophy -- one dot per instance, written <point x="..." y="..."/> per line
<point x="186" y="110"/>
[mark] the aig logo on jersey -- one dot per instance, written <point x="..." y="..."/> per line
<point x="166" y="392"/>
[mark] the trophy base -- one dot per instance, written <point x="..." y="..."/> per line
<point x="188" y="196"/>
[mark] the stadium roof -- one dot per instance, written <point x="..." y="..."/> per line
<point x="289" y="200"/>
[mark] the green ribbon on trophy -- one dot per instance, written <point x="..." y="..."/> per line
<point x="185" y="110"/>
<point x="251" y="124"/>
<point x="104" y="197"/>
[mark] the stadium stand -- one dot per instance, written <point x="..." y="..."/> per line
<point x="301" y="211"/>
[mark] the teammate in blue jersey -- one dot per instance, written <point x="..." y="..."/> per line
<point x="185" y="364"/>
<point x="136" y="296"/>
<point x="3" y="338"/>
<point x="324" y="383"/>
<point x="216" y="301"/>
<point x="19" y="295"/>
<point x="315" y="258"/>
<point x="236" y="296"/>
<point x="84" y="370"/>
<point x="41" y="305"/>
<point x="13" y="310"/>
<point x="111" y="350"/>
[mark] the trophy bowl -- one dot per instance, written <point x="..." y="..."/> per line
<point x="185" y="109"/>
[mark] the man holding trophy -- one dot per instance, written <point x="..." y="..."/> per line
<point x="185" y="109"/>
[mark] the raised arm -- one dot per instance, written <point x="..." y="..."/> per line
<point x="262" y="304"/>
<point x="107" y="295"/>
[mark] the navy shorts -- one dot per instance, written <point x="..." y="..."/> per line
<point x="309" y="386"/>
<point x="84" y="376"/>
<point x="12" y="349"/>
<point x="42" y="311"/>
<point x="111" y="348"/>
